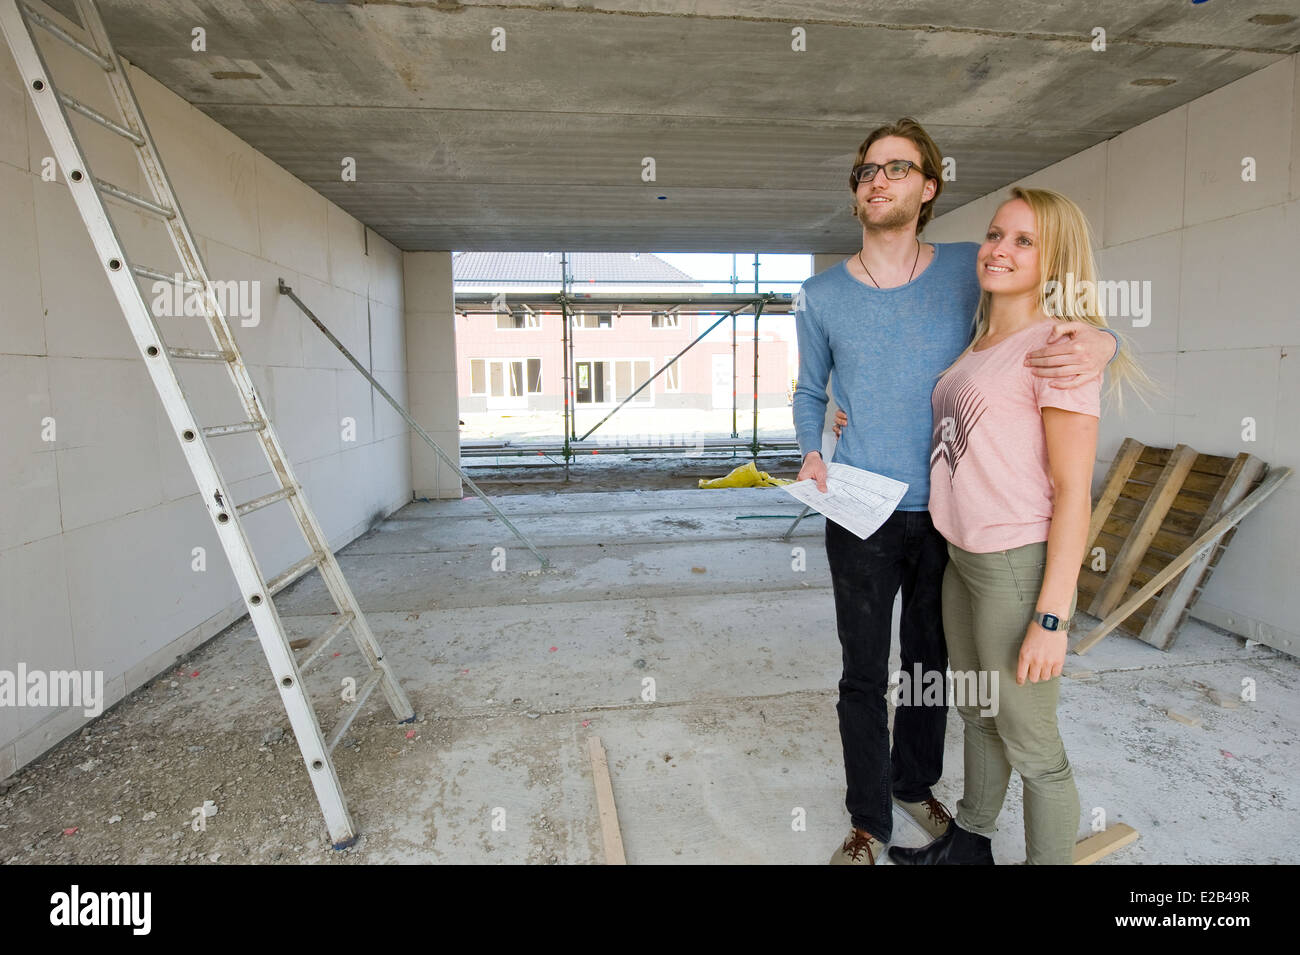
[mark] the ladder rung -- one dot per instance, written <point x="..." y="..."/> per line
<point x="280" y="581"/>
<point x="259" y="502"/>
<point x="217" y="430"/>
<point x="200" y="354"/>
<point x="97" y="116"/>
<point x="317" y="646"/>
<point x="158" y="275"/>
<point x="146" y="204"/>
<point x="362" y="695"/>
<point x="65" y="36"/>
<point x="156" y="197"/>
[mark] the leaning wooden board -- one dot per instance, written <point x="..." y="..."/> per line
<point x="1197" y="549"/>
<point x="1154" y="502"/>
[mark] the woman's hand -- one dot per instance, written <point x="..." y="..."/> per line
<point x="841" y="419"/>
<point x="1042" y="654"/>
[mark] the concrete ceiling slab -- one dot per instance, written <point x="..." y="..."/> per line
<point x="541" y="145"/>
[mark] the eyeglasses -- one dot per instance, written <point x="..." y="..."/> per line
<point x="894" y="169"/>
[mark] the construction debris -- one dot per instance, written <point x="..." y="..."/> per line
<point x="1164" y="518"/>
<point x="747" y="475"/>
<point x="609" y="831"/>
<point x="1087" y="851"/>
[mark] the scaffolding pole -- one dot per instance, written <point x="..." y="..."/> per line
<point x="567" y="303"/>
<point x="758" y="311"/>
<point x="734" y="420"/>
<point x="666" y="366"/>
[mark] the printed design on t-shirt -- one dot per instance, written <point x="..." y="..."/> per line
<point x="958" y="407"/>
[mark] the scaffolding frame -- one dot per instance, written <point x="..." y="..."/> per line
<point x="727" y="305"/>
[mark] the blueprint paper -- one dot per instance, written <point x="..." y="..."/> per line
<point x="859" y="501"/>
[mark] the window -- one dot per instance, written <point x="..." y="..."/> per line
<point x="610" y="381"/>
<point x="510" y="320"/>
<point x="593" y="320"/>
<point x="671" y="377"/>
<point x="505" y="377"/>
<point x="665" y="320"/>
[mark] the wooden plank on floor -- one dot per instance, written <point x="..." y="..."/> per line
<point x="609" y="831"/>
<point x="1087" y="851"/>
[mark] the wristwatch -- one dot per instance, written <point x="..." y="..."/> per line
<point x="1050" y="621"/>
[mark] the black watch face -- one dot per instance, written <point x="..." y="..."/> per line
<point x="1051" y="621"/>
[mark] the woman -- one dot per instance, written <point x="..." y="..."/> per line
<point x="1010" y="482"/>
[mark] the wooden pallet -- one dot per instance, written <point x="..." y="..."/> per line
<point x="1155" y="502"/>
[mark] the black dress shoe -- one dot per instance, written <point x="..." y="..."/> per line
<point x="955" y="847"/>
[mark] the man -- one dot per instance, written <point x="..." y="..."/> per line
<point x="888" y="320"/>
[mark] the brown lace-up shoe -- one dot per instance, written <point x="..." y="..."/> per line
<point x="860" y="848"/>
<point x="930" y="814"/>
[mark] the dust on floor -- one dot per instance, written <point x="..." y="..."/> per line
<point x="681" y="629"/>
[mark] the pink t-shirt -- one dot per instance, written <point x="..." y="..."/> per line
<point x="990" y="487"/>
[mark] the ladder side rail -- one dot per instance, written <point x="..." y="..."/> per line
<point x="191" y="260"/>
<point x="212" y="489"/>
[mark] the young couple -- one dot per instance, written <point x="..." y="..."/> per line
<point x="995" y="435"/>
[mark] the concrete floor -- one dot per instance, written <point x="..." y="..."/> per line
<point x="511" y="670"/>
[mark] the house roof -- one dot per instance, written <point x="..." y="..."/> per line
<point x="585" y="267"/>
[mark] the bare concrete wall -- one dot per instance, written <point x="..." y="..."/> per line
<point x="98" y="527"/>
<point x="431" y="359"/>
<point x="1169" y="206"/>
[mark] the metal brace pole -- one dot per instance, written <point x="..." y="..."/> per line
<point x="802" y="515"/>
<point x="286" y="290"/>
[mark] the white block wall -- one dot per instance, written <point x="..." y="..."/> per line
<point x="431" y="368"/>
<point x="97" y="527"/>
<point x="1168" y="205"/>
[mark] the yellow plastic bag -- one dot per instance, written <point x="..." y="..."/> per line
<point x="747" y="475"/>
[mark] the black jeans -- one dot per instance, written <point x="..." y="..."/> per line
<point x="905" y="552"/>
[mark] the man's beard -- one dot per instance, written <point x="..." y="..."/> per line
<point x="900" y="214"/>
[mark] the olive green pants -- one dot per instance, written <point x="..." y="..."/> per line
<point x="988" y="601"/>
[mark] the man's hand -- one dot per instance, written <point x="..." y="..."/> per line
<point x="1042" y="654"/>
<point x="1074" y="353"/>
<point x="841" y="419"/>
<point x="814" y="467"/>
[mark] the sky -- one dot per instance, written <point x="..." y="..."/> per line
<point x="772" y="266"/>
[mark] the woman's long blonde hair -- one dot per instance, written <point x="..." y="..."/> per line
<point x="1068" y="273"/>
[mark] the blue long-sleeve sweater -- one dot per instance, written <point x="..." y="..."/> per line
<point x="887" y="348"/>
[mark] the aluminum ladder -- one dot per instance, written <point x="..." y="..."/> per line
<point x="18" y="20"/>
